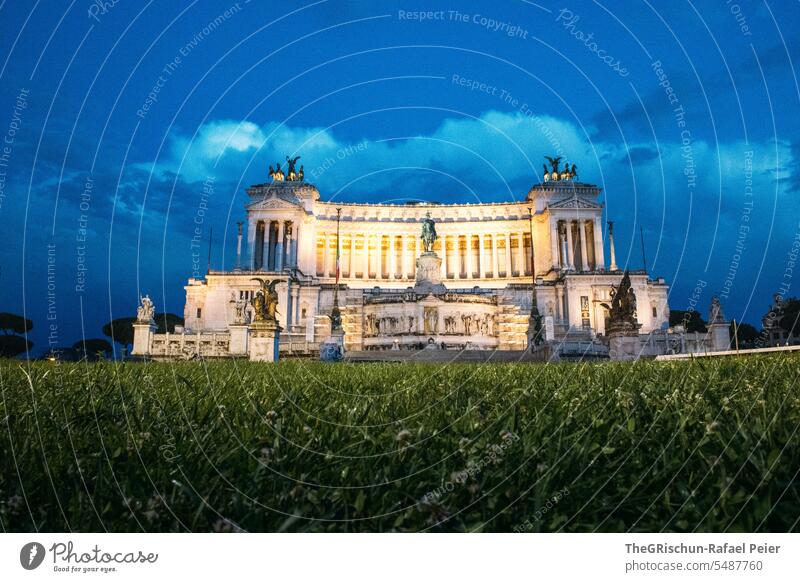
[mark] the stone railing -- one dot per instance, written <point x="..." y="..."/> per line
<point x="664" y="342"/>
<point x="188" y="344"/>
<point x="191" y="345"/>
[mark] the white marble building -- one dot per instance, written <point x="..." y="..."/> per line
<point x="485" y="252"/>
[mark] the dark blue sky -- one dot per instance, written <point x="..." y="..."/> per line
<point x="113" y="115"/>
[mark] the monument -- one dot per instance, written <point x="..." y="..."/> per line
<point x="265" y="332"/>
<point x="718" y="327"/>
<point x="429" y="265"/>
<point x="144" y="327"/>
<point x="323" y="279"/>
<point x="374" y="276"/>
<point x="622" y="327"/>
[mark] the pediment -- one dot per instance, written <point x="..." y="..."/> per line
<point x="575" y="202"/>
<point x="273" y="203"/>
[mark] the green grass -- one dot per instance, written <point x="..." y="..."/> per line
<point x="709" y="445"/>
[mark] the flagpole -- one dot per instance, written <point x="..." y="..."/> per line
<point x="336" y="316"/>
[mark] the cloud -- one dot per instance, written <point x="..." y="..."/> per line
<point x="468" y="154"/>
<point x="496" y="155"/>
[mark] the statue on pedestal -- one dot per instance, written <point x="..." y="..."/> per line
<point x="291" y="174"/>
<point x="428" y="234"/>
<point x="265" y="302"/>
<point x="715" y="314"/>
<point x="240" y="314"/>
<point x="555" y="173"/>
<point x="276" y="175"/>
<point x="336" y="318"/>
<point x="622" y="312"/>
<point x="554" y="163"/>
<point x="145" y="313"/>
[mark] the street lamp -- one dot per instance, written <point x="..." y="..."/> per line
<point x="535" y="325"/>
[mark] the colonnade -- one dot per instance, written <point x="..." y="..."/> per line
<point x="275" y="245"/>
<point x="393" y="257"/>
<point x="577" y="244"/>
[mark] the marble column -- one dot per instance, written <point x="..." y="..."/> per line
<point x="464" y="258"/>
<point x="584" y="254"/>
<point x="257" y="254"/>
<point x="459" y="258"/>
<point x="482" y="256"/>
<point x="287" y="251"/>
<point x="267" y="237"/>
<point x="274" y="233"/>
<point x="470" y="258"/>
<point x="289" y="305"/>
<point x="261" y="242"/>
<point x="326" y="258"/>
<point x="404" y="260"/>
<point x="495" y="262"/>
<point x="351" y="248"/>
<point x="564" y="249"/>
<point x="443" y="238"/>
<point x="379" y="257"/>
<point x="392" y="257"/>
<point x="375" y="258"/>
<point x="295" y="243"/>
<point x="570" y="247"/>
<point x="279" y="246"/>
<point x="296" y="304"/>
<point x="599" y="260"/>
<point x="415" y="250"/>
<point x="404" y="252"/>
<point x="554" y="243"/>
<point x="365" y="258"/>
<point x="521" y="262"/>
<point x="507" y="238"/>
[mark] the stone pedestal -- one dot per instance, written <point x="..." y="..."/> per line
<point x="720" y="336"/>
<point x="623" y="342"/>
<point x="429" y="268"/>
<point x="263" y="341"/>
<point x="332" y="349"/>
<point x="549" y="328"/>
<point x="142" y="338"/>
<point x="429" y="274"/>
<point x="238" y="343"/>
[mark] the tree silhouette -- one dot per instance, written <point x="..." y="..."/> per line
<point x="790" y="318"/>
<point x="120" y="330"/>
<point x="166" y="322"/>
<point x="12" y="323"/>
<point x="92" y="349"/>
<point x="691" y="320"/>
<point x="12" y="345"/>
<point x="745" y="333"/>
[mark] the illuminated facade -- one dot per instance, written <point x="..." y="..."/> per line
<point x="484" y="297"/>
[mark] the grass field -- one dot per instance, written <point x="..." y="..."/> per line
<point x="709" y="445"/>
